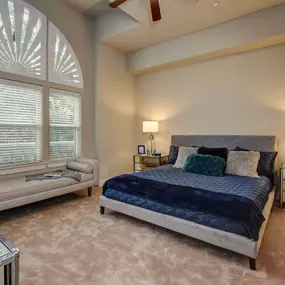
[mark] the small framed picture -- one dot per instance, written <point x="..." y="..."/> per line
<point x="141" y="149"/>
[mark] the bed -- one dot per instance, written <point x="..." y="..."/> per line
<point x="234" y="218"/>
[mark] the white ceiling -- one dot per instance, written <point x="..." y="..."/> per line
<point x="179" y="17"/>
<point x="82" y="5"/>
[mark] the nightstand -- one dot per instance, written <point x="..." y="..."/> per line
<point x="9" y="262"/>
<point x="281" y="185"/>
<point x="144" y="162"/>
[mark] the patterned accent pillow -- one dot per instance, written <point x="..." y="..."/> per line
<point x="173" y="154"/>
<point x="265" y="164"/>
<point x="183" y="154"/>
<point x="205" y="165"/>
<point x="243" y="163"/>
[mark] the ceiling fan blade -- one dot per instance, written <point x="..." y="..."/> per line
<point x="116" y="3"/>
<point x="155" y="10"/>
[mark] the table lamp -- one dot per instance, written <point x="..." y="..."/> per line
<point x="150" y="127"/>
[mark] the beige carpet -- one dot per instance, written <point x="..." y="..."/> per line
<point x="66" y="241"/>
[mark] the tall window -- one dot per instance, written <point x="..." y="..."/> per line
<point x="50" y="85"/>
<point x="20" y="123"/>
<point x="64" y="115"/>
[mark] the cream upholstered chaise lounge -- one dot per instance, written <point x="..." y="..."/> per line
<point x="16" y="191"/>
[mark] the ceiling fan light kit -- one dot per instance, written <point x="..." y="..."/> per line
<point x="154" y="4"/>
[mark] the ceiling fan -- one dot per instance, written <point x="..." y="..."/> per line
<point x="154" y="4"/>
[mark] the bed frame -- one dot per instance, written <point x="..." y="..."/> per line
<point x="230" y="241"/>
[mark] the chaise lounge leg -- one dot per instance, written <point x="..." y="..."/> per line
<point x="102" y="210"/>
<point x="90" y="191"/>
<point x="252" y="263"/>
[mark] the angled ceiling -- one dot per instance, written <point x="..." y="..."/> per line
<point x="82" y="5"/>
<point x="179" y="17"/>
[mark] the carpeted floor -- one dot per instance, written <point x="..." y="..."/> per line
<point x="65" y="241"/>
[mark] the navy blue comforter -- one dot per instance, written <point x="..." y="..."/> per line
<point x="240" y="199"/>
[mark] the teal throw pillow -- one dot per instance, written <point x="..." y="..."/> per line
<point x="205" y="164"/>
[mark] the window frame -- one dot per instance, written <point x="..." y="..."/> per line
<point x="46" y="86"/>
<point x="36" y="86"/>
<point x="78" y="129"/>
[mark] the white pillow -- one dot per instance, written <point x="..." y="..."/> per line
<point x="81" y="167"/>
<point x="243" y="163"/>
<point x="183" y="153"/>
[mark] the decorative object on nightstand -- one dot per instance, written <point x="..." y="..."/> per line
<point x="141" y="149"/>
<point x="145" y="162"/>
<point x="281" y="185"/>
<point x="150" y="127"/>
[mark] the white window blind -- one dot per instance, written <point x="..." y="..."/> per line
<point x="20" y="123"/>
<point x="65" y="124"/>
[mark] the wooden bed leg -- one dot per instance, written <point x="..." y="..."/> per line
<point x="89" y="191"/>
<point x="102" y="210"/>
<point x="252" y="263"/>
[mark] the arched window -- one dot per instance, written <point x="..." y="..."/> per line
<point x="22" y="39"/>
<point x="40" y="88"/>
<point x="63" y="63"/>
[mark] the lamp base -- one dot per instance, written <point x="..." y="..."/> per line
<point x="151" y="149"/>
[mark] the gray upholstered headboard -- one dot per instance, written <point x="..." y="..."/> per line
<point x="261" y="143"/>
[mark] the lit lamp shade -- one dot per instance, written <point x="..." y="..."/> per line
<point x="150" y="127"/>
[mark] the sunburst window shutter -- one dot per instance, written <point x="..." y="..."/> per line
<point x="20" y="123"/>
<point x="64" y="67"/>
<point x="23" y="39"/>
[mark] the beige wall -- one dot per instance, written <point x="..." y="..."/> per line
<point x="241" y="94"/>
<point x="79" y="32"/>
<point x="115" y="112"/>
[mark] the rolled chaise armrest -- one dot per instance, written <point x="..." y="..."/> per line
<point x="95" y="165"/>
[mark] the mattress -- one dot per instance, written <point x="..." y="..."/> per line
<point x="194" y="215"/>
<point x="230" y="203"/>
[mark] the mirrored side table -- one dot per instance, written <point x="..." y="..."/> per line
<point x="143" y="162"/>
<point x="9" y="263"/>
